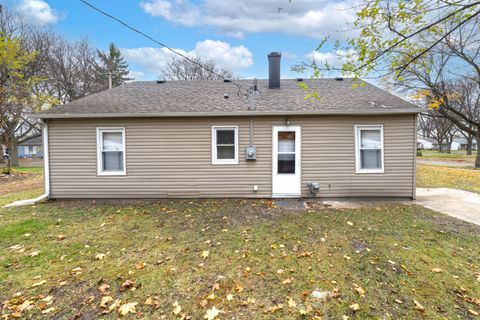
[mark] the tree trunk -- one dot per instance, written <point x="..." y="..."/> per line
<point x="12" y="146"/>
<point x="477" y="160"/>
<point x="469" y="145"/>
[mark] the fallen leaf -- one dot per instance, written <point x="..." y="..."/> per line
<point x="140" y="265"/>
<point x="436" y="270"/>
<point x="354" y="307"/>
<point x="291" y="303"/>
<point x="287" y="281"/>
<point x="360" y="291"/>
<point x="475" y="313"/>
<point x="60" y="237"/>
<point x="99" y="256"/>
<point x="350" y="223"/>
<point x="418" y="306"/>
<point x="229" y="297"/>
<point x="205" y="254"/>
<point x="212" y="313"/>
<point x="34" y="253"/>
<point x="127" y="284"/>
<point x="127" y="308"/>
<point x="104" y="288"/>
<point x="176" y="308"/>
<point x="49" y="310"/>
<point x="105" y="301"/>
<point x="211" y="296"/>
<point x="40" y="283"/>
<point x="149" y="301"/>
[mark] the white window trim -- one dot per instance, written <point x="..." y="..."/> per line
<point x="100" y="172"/>
<point x="358" y="129"/>
<point x="214" y="146"/>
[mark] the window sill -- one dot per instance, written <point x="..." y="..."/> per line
<point x="112" y="173"/>
<point x="369" y="171"/>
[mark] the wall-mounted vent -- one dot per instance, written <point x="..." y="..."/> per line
<point x="339" y="78"/>
<point x="227" y="80"/>
<point x="161" y="81"/>
<point x="299" y="79"/>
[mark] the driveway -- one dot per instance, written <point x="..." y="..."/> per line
<point x="456" y="203"/>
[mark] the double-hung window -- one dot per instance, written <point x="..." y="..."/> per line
<point x="111" y="151"/>
<point x="225" y="145"/>
<point x="369" y="148"/>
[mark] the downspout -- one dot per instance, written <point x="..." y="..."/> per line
<point x="46" y="172"/>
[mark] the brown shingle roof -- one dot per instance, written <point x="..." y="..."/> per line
<point x="207" y="98"/>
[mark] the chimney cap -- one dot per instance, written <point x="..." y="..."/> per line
<point x="274" y="54"/>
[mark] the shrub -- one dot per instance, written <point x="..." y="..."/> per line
<point x="419" y="153"/>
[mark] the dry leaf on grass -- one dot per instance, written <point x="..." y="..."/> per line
<point x="205" y="254"/>
<point x="49" y="310"/>
<point x="140" y="265"/>
<point x="105" y="301"/>
<point x="418" y="306"/>
<point x="40" y="283"/>
<point x="127" y="308"/>
<point x="354" y="307"/>
<point x="176" y="308"/>
<point x="99" y="256"/>
<point x="436" y="270"/>
<point x="212" y="313"/>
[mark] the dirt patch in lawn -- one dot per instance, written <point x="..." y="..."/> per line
<point x="19" y="182"/>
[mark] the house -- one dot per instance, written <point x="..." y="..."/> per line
<point x="31" y="148"/>
<point x="232" y="139"/>
<point x="425" y="143"/>
<point x="463" y="143"/>
<point x="454" y="146"/>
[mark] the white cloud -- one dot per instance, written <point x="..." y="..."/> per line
<point x="233" y="58"/>
<point x="38" y="12"/>
<point x="136" y="75"/>
<point x="334" y="59"/>
<point x="313" y="18"/>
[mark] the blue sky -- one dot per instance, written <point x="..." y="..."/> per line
<point x="238" y="34"/>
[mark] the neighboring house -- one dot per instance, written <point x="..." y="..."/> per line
<point x="185" y="139"/>
<point x="453" y="147"/>
<point x="462" y="143"/>
<point x="31" y="148"/>
<point x="425" y="143"/>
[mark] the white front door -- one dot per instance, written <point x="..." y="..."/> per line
<point x="286" y="176"/>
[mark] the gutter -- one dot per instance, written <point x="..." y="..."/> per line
<point x="46" y="172"/>
<point x="219" y="114"/>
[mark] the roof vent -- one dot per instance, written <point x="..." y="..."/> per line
<point x="160" y="81"/>
<point x="299" y="79"/>
<point x="225" y="95"/>
<point x="227" y="80"/>
<point x="339" y="78"/>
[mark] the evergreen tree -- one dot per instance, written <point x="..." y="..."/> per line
<point x="113" y="64"/>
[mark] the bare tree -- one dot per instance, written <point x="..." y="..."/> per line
<point x="183" y="69"/>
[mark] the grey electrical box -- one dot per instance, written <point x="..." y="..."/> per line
<point x="251" y="153"/>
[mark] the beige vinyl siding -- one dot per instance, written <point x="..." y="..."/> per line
<point x="171" y="157"/>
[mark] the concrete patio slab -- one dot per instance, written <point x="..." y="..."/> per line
<point x="456" y="203"/>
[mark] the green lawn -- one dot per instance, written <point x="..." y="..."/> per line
<point x="429" y="176"/>
<point x="248" y="259"/>
<point x="454" y="155"/>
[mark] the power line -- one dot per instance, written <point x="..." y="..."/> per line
<point x="157" y="42"/>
